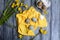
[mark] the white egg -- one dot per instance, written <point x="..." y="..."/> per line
<point x="47" y="3"/>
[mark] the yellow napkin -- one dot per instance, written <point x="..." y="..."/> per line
<point x="23" y="27"/>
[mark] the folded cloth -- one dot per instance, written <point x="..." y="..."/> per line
<point x="29" y="21"/>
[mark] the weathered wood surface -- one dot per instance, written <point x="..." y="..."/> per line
<point x="53" y="18"/>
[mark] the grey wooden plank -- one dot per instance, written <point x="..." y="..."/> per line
<point x="1" y="32"/>
<point x="1" y="5"/>
<point x="1" y="26"/>
<point x="27" y="2"/>
<point x="8" y="29"/>
<point x="48" y="28"/>
<point x="59" y="19"/>
<point x="38" y="37"/>
<point x="8" y="33"/>
<point x="55" y="20"/>
<point x="15" y="36"/>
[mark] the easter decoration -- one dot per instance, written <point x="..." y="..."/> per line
<point x="28" y="20"/>
<point x="31" y="19"/>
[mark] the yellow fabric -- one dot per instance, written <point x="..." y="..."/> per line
<point x="30" y="13"/>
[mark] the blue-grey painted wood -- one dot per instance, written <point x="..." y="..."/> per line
<point x="1" y="10"/>
<point x="53" y="18"/>
<point x="8" y="30"/>
<point x="59" y="19"/>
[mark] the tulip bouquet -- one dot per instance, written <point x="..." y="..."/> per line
<point x="11" y="8"/>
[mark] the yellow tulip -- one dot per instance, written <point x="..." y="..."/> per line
<point x="45" y="12"/>
<point x="17" y="4"/>
<point x="13" y="5"/>
<point x="20" y="36"/>
<point x="26" y="6"/>
<point x="19" y="9"/>
<point x="43" y="31"/>
<point x="21" y="4"/>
